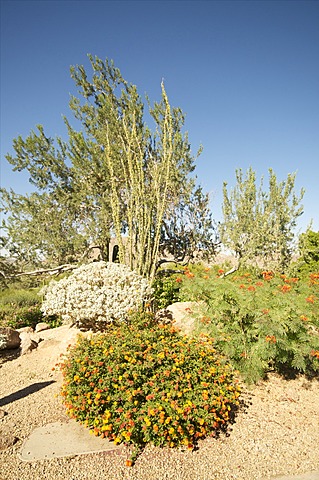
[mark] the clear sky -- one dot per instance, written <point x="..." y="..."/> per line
<point x="246" y="73"/>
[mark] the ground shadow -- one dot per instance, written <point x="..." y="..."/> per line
<point x="24" y="392"/>
<point x="8" y="355"/>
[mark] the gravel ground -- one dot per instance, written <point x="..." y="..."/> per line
<point x="277" y="433"/>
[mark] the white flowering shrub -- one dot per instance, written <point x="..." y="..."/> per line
<point x="95" y="295"/>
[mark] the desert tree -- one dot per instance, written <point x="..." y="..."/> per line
<point x="258" y="224"/>
<point x="113" y="176"/>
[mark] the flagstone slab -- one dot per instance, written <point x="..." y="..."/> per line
<point x="61" y="440"/>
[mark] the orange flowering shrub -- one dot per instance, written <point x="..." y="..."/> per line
<point x="143" y="382"/>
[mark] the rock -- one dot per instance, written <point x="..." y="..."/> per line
<point x="42" y="326"/>
<point x="25" y="329"/>
<point x="7" y="440"/>
<point x="11" y="338"/>
<point x="180" y="313"/>
<point x="28" y="343"/>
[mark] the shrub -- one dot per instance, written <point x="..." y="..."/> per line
<point x="166" y="290"/>
<point x="95" y="295"/>
<point x="2" y="341"/>
<point x="21" y="308"/>
<point x="143" y="382"/>
<point x="19" y="297"/>
<point x="264" y="323"/>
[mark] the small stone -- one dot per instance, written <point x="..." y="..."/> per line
<point x="27" y="343"/>
<point x="41" y="326"/>
<point x="7" y="440"/>
<point x="2" y="413"/>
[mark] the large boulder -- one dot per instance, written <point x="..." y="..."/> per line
<point x="181" y="314"/>
<point x="10" y="338"/>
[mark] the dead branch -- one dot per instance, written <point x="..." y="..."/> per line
<point x="50" y="271"/>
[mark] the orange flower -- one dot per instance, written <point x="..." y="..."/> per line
<point x="314" y="277"/>
<point x="291" y="280"/>
<point x="271" y="339"/>
<point x="205" y="320"/>
<point x="310" y="299"/>
<point x="285" y="288"/>
<point x="129" y="463"/>
<point x="179" y="280"/>
<point x="268" y="275"/>
<point x="303" y="318"/>
<point x="315" y="353"/>
<point x="251" y="288"/>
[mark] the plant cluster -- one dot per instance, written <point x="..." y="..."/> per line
<point x="166" y="290"/>
<point x="95" y="295"/>
<point x="20" y="308"/>
<point x="143" y="382"/>
<point x="17" y="317"/>
<point x="259" y="323"/>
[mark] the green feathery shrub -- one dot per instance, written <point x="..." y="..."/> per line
<point x="270" y="322"/>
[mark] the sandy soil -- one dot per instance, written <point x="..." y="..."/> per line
<point x="276" y="433"/>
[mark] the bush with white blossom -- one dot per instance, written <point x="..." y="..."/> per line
<point x="95" y="295"/>
<point x="2" y="341"/>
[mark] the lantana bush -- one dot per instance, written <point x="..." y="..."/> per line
<point x="141" y="382"/>
<point x="95" y="295"/>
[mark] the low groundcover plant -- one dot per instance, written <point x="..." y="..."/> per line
<point x="143" y="382"/>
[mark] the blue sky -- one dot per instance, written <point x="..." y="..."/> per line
<point x="246" y="73"/>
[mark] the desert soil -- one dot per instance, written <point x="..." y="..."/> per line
<point x="277" y="433"/>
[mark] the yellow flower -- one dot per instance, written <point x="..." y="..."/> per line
<point x="147" y="421"/>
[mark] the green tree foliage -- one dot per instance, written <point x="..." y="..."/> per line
<point x="309" y="252"/>
<point x="258" y="224"/>
<point x="112" y="177"/>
